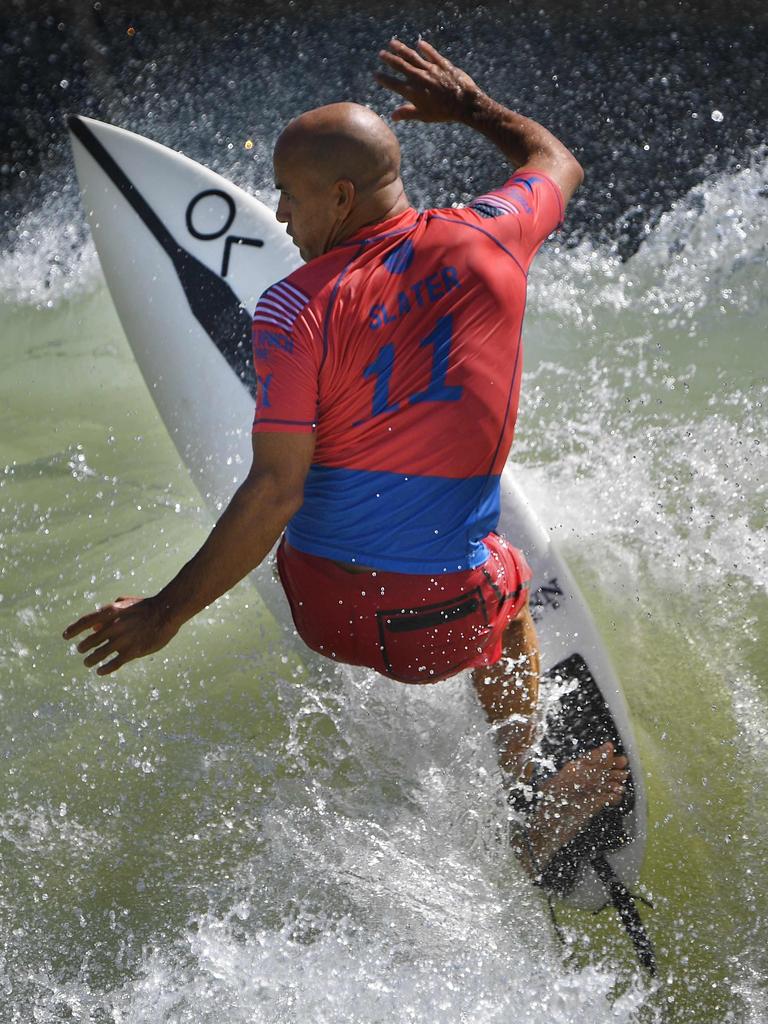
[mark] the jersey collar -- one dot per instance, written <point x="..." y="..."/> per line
<point x="381" y="229"/>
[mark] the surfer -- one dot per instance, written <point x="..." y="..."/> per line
<point x="387" y="380"/>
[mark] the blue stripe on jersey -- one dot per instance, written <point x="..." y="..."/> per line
<point x="394" y="522"/>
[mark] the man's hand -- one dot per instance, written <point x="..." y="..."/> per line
<point x="128" y="628"/>
<point x="435" y="90"/>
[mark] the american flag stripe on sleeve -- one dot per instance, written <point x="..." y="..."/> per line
<point x="495" y="200"/>
<point x="280" y="305"/>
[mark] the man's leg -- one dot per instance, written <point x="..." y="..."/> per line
<point x="508" y="692"/>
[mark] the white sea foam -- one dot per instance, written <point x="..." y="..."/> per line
<point x="644" y="411"/>
<point x="385" y="907"/>
<point x="705" y="251"/>
<point x="345" y="977"/>
<point x="35" y="831"/>
<point x="51" y="256"/>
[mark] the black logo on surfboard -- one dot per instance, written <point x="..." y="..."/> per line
<point x="211" y="299"/>
<point x="209" y="236"/>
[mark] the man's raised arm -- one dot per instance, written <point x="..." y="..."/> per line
<point x="436" y="90"/>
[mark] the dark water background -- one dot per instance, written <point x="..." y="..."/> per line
<point x="630" y="87"/>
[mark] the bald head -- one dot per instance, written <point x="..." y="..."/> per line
<point x="338" y="170"/>
<point x="343" y="140"/>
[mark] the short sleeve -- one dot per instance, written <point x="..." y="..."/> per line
<point x="525" y="210"/>
<point x="286" y="358"/>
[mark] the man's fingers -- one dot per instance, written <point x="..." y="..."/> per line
<point x="100" y="654"/>
<point x="395" y="84"/>
<point x="423" y="58"/>
<point x="112" y="666"/>
<point x="100" y="618"/>
<point x="410" y="71"/>
<point x="94" y="640"/>
<point x="434" y="56"/>
<point x="93" y="620"/>
<point x="406" y="112"/>
<point x="100" y="635"/>
<point x="122" y="631"/>
<point x="412" y="56"/>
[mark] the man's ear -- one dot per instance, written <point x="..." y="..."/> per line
<point x="345" y="195"/>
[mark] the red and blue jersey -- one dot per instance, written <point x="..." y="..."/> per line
<point x="401" y="348"/>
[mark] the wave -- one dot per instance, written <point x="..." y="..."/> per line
<point x="709" y="251"/>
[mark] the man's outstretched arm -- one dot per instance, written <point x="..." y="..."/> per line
<point x="132" y="627"/>
<point x="436" y="90"/>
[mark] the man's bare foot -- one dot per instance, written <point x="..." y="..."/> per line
<point x="569" y="800"/>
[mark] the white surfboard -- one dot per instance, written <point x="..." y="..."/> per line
<point x="186" y="255"/>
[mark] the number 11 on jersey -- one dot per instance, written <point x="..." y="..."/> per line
<point x="440" y="340"/>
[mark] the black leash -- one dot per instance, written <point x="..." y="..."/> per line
<point x="624" y="902"/>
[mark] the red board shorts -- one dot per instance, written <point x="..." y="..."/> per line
<point x="416" y="629"/>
